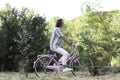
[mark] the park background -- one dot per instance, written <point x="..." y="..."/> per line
<point x="24" y="34"/>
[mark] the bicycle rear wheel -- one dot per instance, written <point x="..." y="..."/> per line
<point x="40" y="66"/>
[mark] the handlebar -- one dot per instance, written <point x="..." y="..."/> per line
<point x="74" y="46"/>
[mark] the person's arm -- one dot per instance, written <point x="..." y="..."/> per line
<point x="60" y="35"/>
<point x="66" y="40"/>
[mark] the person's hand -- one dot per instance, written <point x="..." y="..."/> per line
<point x="73" y="45"/>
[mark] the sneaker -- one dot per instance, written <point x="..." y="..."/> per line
<point x="67" y="69"/>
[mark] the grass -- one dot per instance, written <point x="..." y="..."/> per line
<point x="66" y="76"/>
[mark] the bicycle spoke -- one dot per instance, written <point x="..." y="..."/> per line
<point x="75" y="65"/>
<point x="41" y="64"/>
<point x="86" y="65"/>
<point x="81" y="66"/>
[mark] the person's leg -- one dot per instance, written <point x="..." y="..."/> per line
<point x="64" y="57"/>
<point x="64" y="54"/>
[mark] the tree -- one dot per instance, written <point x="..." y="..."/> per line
<point x="23" y="36"/>
<point x="9" y="28"/>
<point x="97" y="36"/>
<point x="32" y="37"/>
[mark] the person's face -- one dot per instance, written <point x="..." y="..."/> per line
<point x="62" y="23"/>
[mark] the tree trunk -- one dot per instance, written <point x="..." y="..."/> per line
<point x="22" y="66"/>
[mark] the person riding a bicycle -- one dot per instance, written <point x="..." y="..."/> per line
<point x="57" y="43"/>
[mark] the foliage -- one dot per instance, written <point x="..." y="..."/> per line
<point x="97" y="36"/>
<point x="23" y="37"/>
<point x="115" y="61"/>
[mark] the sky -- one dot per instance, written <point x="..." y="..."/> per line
<point x="69" y="9"/>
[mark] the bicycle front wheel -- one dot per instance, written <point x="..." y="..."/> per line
<point x="86" y="65"/>
<point x="40" y="66"/>
<point x="81" y="66"/>
<point x="75" y="65"/>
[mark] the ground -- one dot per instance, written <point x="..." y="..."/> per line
<point x="66" y="76"/>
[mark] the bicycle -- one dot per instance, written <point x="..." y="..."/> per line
<point x="47" y="63"/>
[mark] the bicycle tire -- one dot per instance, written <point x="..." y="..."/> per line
<point x="75" y="65"/>
<point x="86" y="64"/>
<point x="40" y="66"/>
<point x="81" y="66"/>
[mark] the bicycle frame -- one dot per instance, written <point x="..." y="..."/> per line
<point x="58" y="67"/>
<point x="47" y="61"/>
